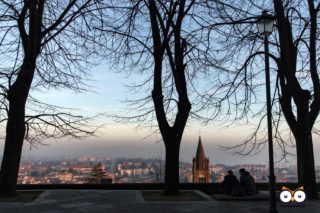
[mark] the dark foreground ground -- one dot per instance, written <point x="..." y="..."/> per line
<point x="131" y="201"/>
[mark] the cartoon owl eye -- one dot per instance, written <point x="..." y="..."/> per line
<point x="299" y="196"/>
<point x="285" y="196"/>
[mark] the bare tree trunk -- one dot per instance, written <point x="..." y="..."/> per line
<point x="15" y="130"/>
<point x="302" y="123"/>
<point x="310" y="175"/>
<point x="305" y="164"/>
<point x="304" y="146"/>
<point x="18" y="95"/>
<point x="13" y="146"/>
<point x="299" y="144"/>
<point x="171" y="182"/>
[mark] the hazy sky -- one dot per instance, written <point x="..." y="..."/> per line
<point x="120" y="140"/>
<point x="130" y="144"/>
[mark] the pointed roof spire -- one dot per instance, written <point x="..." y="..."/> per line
<point x="200" y="156"/>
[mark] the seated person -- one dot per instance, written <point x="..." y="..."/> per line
<point x="229" y="182"/>
<point x="247" y="182"/>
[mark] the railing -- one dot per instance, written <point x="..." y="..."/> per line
<point x="205" y="187"/>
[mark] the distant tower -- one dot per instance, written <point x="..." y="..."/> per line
<point x="200" y="168"/>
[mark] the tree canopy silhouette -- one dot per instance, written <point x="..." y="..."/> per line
<point x="293" y="50"/>
<point x="165" y="41"/>
<point x="44" y="44"/>
<point x="182" y="40"/>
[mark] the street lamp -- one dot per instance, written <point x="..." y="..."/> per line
<point x="265" y="26"/>
<point x="265" y="23"/>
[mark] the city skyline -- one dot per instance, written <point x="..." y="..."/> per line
<point x="83" y="170"/>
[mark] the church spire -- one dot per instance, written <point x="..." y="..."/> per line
<point x="200" y="168"/>
<point x="200" y="156"/>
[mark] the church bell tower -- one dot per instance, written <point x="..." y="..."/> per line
<point x="200" y="168"/>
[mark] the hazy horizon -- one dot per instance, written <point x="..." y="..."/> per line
<point x="137" y="147"/>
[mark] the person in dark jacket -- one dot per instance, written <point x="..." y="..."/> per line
<point x="247" y="182"/>
<point x="230" y="182"/>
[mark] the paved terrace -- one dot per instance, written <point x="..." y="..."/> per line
<point x="131" y="201"/>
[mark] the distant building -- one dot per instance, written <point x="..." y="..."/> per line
<point x="65" y="177"/>
<point x="218" y="168"/>
<point x="217" y="172"/>
<point x="200" y="168"/>
<point x="97" y="174"/>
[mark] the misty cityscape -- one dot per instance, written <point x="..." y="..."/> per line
<point x="138" y="170"/>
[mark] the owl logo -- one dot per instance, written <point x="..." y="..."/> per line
<point x="288" y="195"/>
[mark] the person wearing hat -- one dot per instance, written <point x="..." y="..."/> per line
<point x="230" y="182"/>
<point x="247" y="182"/>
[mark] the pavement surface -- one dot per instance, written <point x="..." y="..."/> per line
<point x="111" y="201"/>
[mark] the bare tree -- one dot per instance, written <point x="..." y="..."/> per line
<point x="44" y="121"/>
<point x="43" y="44"/>
<point x="293" y="50"/>
<point x="301" y="117"/>
<point x="165" y="41"/>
